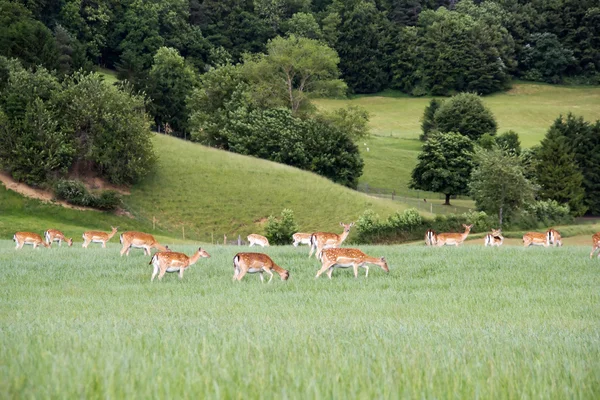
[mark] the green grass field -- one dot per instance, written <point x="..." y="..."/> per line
<point x="468" y="322"/>
<point x="528" y="109"/>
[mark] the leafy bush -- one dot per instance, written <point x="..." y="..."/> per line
<point x="550" y="212"/>
<point x="74" y="192"/>
<point x="280" y="230"/>
<point x="466" y="114"/>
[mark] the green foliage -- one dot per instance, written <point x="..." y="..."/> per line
<point x="465" y="113"/>
<point x="428" y="123"/>
<point x="548" y="213"/>
<point x="545" y="59"/>
<point x="444" y="165"/>
<point x="509" y="142"/>
<point x="310" y="144"/>
<point x="71" y="53"/>
<point x="171" y="82"/>
<point x="353" y="120"/>
<point x="557" y="173"/>
<point x="294" y="69"/>
<point x="25" y="38"/>
<point x="304" y="25"/>
<point x="498" y="184"/>
<point x="280" y="230"/>
<point x="361" y="44"/>
<point x="75" y="192"/>
<point x="110" y="127"/>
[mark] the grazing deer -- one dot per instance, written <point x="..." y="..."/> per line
<point x="345" y="258"/>
<point x="258" y="240"/>
<point x="494" y="239"/>
<point x="139" y="240"/>
<point x="301" y="238"/>
<point x="554" y="237"/>
<point x="536" y="239"/>
<point x="430" y="237"/>
<point x="453" y="239"/>
<point x="327" y="240"/>
<point x="595" y="244"/>
<point x="97" y="237"/>
<point x="53" y="235"/>
<point x="170" y="261"/>
<point x="244" y="263"/>
<point x="22" y="238"/>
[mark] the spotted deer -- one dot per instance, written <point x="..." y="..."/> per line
<point x="171" y="261"/>
<point x="23" y="238"/>
<point x="328" y="240"/>
<point x="53" y="235"/>
<point x="244" y="263"/>
<point x="345" y="258"/>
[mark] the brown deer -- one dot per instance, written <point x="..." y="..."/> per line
<point x="258" y="240"/>
<point x="453" y="239"/>
<point x="53" y="235"/>
<point x="345" y="258"/>
<point x="430" y="237"/>
<point x="494" y="239"/>
<point x="171" y="261"/>
<point x="97" y="237"/>
<point x="595" y="244"/>
<point x="328" y="240"/>
<point x="244" y="263"/>
<point x="139" y="240"/>
<point x="23" y="238"/>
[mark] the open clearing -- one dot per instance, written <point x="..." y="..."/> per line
<point x="528" y="109"/>
<point x="444" y="323"/>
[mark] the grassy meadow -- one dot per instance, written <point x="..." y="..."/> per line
<point x="528" y="109"/>
<point x="469" y="322"/>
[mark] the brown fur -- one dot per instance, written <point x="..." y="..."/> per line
<point x="430" y="237"/>
<point x="536" y="239"/>
<point x="243" y="263"/>
<point x="346" y="258"/>
<point x="595" y="244"/>
<point x="455" y="239"/>
<point x="301" y="238"/>
<point x="258" y="239"/>
<point x="328" y="240"/>
<point x="140" y="240"/>
<point x="554" y="237"/>
<point x="494" y="239"/>
<point x="97" y="236"/>
<point x="164" y="260"/>
<point x="23" y="238"/>
<point x="53" y="235"/>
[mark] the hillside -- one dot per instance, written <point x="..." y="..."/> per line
<point x="212" y="192"/>
<point x="528" y="109"/>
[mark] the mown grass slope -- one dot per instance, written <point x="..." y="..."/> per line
<point x="528" y="109"/>
<point x="469" y="322"/>
<point x="211" y="192"/>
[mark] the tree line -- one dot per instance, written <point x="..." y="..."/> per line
<point x="463" y="154"/>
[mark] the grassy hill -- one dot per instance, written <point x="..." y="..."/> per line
<point x="212" y="192"/>
<point x="206" y="193"/>
<point x="528" y="109"/>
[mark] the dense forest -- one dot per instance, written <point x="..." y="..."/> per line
<point x="239" y="75"/>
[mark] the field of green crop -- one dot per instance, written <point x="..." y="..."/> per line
<point x="468" y="322"/>
<point x="528" y="109"/>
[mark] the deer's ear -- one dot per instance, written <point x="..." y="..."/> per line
<point x="352" y="224"/>
<point x="341" y="224"/>
<point x="383" y="259"/>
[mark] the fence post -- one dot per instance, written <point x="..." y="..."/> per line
<point x="431" y="206"/>
<point x="183" y="231"/>
<point x="239" y="240"/>
<point x="153" y="223"/>
<point x="224" y="240"/>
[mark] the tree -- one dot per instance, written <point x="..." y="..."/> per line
<point x="557" y="173"/>
<point x="353" y="120"/>
<point x="545" y="59"/>
<point x="304" y="25"/>
<point x="171" y="81"/>
<point x="362" y="45"/>
<point x="293" y="69"/>
<point x="280" y="230"/>
<point x="465" y="113"/>
<point x="509" y="141"/>
<point x="428" y="121"/>
<point x="444" y="165"/>
<point x="498" y="184"/>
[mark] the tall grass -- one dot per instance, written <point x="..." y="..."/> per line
<point x="444" y="323"/>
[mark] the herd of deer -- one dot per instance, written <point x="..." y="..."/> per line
<point x="325" y="245"/>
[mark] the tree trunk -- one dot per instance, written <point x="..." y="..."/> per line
<point x="447" y="203"/>
<point x="500" y="217"/>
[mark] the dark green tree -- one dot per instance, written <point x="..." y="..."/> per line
<point x="171" y="81"/>
<point x="428" y="124"/>
<point x="545" y="59"/>
<point x="509" y="141"/>
<point x="557" y="173"/>
<point x="465" y="113"/>
<point x="498" y="184"/>
<point x="444" y="165"/>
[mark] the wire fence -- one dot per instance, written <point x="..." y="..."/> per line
<point x="422" y="200"/>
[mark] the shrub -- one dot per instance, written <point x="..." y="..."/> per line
<point x="280" y="230"/>
<point x="108" y="200"/>
<point x="74" y="192"/>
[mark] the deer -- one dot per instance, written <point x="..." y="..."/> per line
<point x="97" y="237"/>
<point x="139" y="240"/>
<point x="327" y="240"/>
<point x="171" y="261"/>
<point x="453" y="239"/>
<point x="53" y="235"/>
<point x="244" y="263"/>
<point x="345" y="258"/>
<point x="430" y="237"/>
<point x="301" y="238"/>
<point x="536" y="239"/>
<point x="258" y="240"/>
<point x="554" y="237"/>
<point x="595" y="244"/>
<point x="23" y="238"/>
<point x="494" y="239"/>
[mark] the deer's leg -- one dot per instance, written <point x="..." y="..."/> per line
<point x="326" y="265"/>
<point x="593" y="251"/>
<point x="355" y="268"/>
<point x="241" y="274"/>
<point x="312" y="248"/>
<point x="181" y="273"/>
<point x="155" y="272"/>
<point x="330" y="272"/>
<point x="268" y="271"/>
<point x="163" y="270"/>
<point x="262" y="280"/>
<point x="124" y="249"/>
<point x="365" y="266"/>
